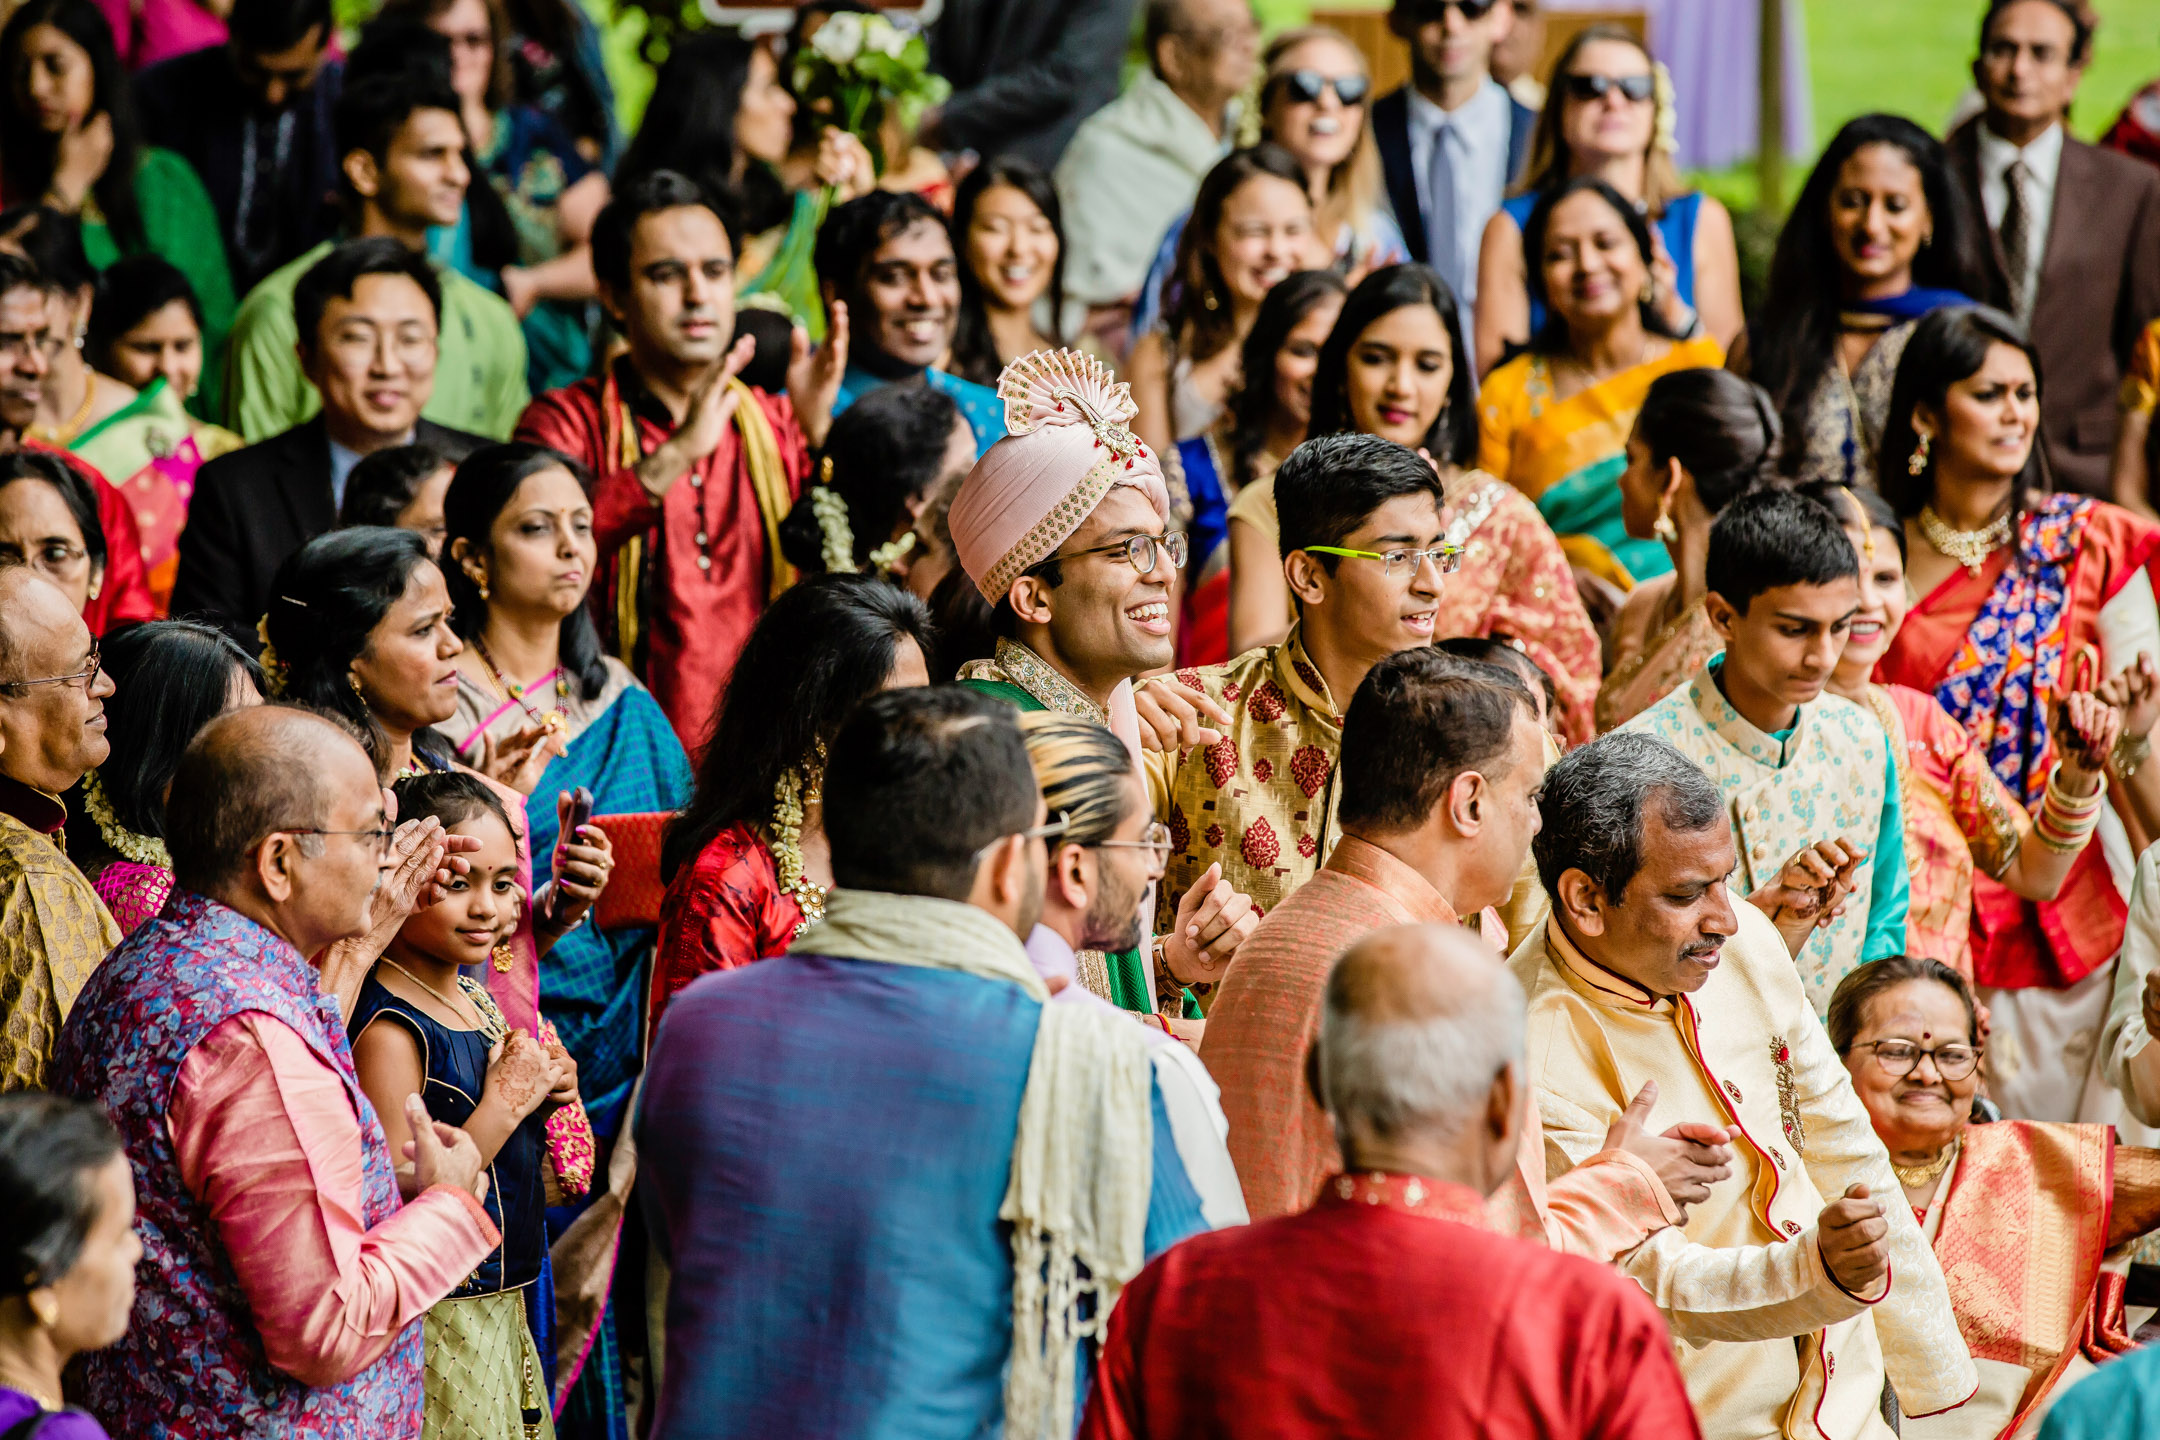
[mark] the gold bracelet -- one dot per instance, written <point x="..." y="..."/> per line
<point x="2130" y="752"/>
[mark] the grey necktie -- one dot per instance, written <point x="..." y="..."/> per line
<point x="1440" y="229"/>
<point x="2016" y="235"/>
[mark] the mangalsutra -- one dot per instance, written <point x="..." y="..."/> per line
<point x="1912" y="1177"/>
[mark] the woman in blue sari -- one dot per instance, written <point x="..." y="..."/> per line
<point x="1882" y="234"/>
<point x="518" y="554"/>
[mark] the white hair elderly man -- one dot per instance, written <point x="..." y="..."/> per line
<point x="1388" y="1307"/>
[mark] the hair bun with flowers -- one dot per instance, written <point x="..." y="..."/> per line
<point x="274" y="672"/>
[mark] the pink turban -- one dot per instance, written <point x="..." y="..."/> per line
<point x="1067" y="443"/>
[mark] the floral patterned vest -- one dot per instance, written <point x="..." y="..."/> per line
<point x="191" y="1365"/>
<point x="1824" y="781"/>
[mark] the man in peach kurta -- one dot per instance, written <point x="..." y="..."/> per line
<point x="1440" y="761"/>
<point x="1798" y="1286"/>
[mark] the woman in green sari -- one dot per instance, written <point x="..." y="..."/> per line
<point x="1554" y="421"/>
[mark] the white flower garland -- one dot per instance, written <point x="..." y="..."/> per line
<point x="787" y="821"/>
<point x="833" y="528"/>
<point x="142" y="849"/>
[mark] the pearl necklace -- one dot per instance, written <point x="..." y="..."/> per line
<point x="1969" y="548"/>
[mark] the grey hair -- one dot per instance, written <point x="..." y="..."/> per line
<point x="1394" y="1077"/>
<point x="1594" y="801"/>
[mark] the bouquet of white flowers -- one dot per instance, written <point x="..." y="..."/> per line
<point x="863" y="64"/>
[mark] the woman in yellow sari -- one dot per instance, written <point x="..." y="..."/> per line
<point x="2031" y="1220"/>
<point x="1554" y="421"/>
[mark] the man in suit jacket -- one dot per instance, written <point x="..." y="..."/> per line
<point x="2074" y="230"/>
<point x="1453" y="139"/>
<point x="368" y="314"/>
<point x="1024" y="73"/>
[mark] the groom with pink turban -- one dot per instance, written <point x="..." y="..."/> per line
<point x="1064" y="526"/>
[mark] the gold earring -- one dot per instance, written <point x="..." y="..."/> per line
<point x="45" y="1306"/>
<point x="354" y="681"/>
<point x="483" y="589"/>
<point x="1663" y="527"/>
<point x="1919" y="460"/>
<point x="505" y="957"/>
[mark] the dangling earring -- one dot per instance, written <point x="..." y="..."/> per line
<point x="45" y="1306"/>
<point x="1208" y="300"/>
<point x="483" y="589"/>
<point x="354" y="681"/>
<point x="1650" y="293"/>
<point x="1663" y="527"/>
<point x="1919" y="460"/>
<point x="505" y="957"/>
<point x="1928" y="238"/>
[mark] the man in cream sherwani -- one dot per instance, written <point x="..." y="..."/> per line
<point x="1651" y="969"/>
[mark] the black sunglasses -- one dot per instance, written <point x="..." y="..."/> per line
<point x="1307" y="86"/>
<point x="1425" y="12"/>
<point x="1637" y="88"/>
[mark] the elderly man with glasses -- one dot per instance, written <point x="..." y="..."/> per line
<point x="282" y="1275"/>
<point x="53" y="928"/>
<point x="1064" y="526"/>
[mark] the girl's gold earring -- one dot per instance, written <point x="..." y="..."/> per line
<point x="1919" y="461"/>
<point x="1663" y="528"/>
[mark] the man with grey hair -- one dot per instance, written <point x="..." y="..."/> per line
<point x="1389" y="1308"/>
<point x="282" y="1276"/>
<point x="53" y="928"/>
<point x="1651" y="971"/>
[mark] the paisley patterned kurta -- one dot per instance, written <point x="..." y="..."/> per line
<point x="1827" y="778"/>
<point x="53" y="932"/>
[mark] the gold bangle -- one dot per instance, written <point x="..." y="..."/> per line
<point x="2130" y="752"/>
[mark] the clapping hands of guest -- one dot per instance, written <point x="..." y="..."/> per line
<point x="1689" y="1157"/>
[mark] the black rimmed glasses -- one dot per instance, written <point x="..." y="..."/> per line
<point x="1427" y="11"/>
<point x="85" y="677"/>
<point x="1446" y="559"/>
<point x="1637" y="88"/>
<point x="1899" y="1058"/>
<point x="1049" y="831"/>
<point x="1140" y="552"/>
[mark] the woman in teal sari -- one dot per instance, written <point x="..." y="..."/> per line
<point x="518" y="555"/>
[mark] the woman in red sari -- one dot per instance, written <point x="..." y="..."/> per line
<point x="2014" y="583"/>
<point x="745" y="862"/>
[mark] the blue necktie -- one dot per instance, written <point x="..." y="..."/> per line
<point x="1442" y="241"/>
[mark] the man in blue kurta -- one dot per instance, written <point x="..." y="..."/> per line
<point x="853" y="1149"/>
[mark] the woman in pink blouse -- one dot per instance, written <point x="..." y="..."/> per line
<point x="746" y="862"/>
<point x="171" y="678"/>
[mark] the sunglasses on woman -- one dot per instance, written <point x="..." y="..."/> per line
<point x="1637" y="88"/>
<point x="1430" y="11"/>
<point x="1307" y="86"/>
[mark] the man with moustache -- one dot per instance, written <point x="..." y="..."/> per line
<point x="52" y="733"/>
<point x="1064" y="528"/>
<point x="888" y="258"/>
<point x="693" y="470"/>
<point x="282" y="1279"/>
<point x="1650" y="971"/>
<point x="368" y="319"/>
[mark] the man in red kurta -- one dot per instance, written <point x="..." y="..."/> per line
<point x="693" y="470"/>
<point x="1388" y="1308"/>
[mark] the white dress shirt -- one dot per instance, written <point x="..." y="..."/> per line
<point x="342" y="461"/>
<point x="2043" y="158"/>
<point x="1482" y="127"/>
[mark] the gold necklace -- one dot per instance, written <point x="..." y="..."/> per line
<point x="1969" y="548"/>
<point x="45" y="1399"/>
<point x="479" y="1021"/>
<point x="1912" y="1177"/>
<point x="554" y="720"/>
<point x="61" y="434"/>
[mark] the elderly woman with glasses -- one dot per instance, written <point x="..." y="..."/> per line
<point x="2031" y="1220"/>
<point x="55" y="517"/>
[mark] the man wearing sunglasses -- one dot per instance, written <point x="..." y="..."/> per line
<point x="52" y="733"/>
<point x="1064" y="528"/>
<point x="281" y="1273"/>
<point x="1453" y="139"/>
<point x="1364" y="552"/>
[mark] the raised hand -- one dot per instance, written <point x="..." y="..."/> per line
<point x="588" y="857"/>
<point x="1850" y="1233"/>
<point x="519" y="759"/>
<point x="813" y="376"/>
<point x="2086" y="729"/>
<point x="1174" y="717"/>
<point x="1811" y="890"/>
<point x="520" y="1074"/>
<point x="1213" y="919"/>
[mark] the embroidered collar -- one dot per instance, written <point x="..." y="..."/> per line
<point x="1037" y="676"/>
<point x="1735" y="729"/>
<point x="1606" y="987"/>
<point x="1418" y="1194"/>
<point x="1363" y="860"/>
<point x="33" y="807"/>
<point x="1294" y="668"/>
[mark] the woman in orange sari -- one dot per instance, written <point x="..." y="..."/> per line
<point x="1959" y="817"/>
<point x="2013" y="582"/>
<point x="1554" y="421"/>
<point x="2026" y="1217"/>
